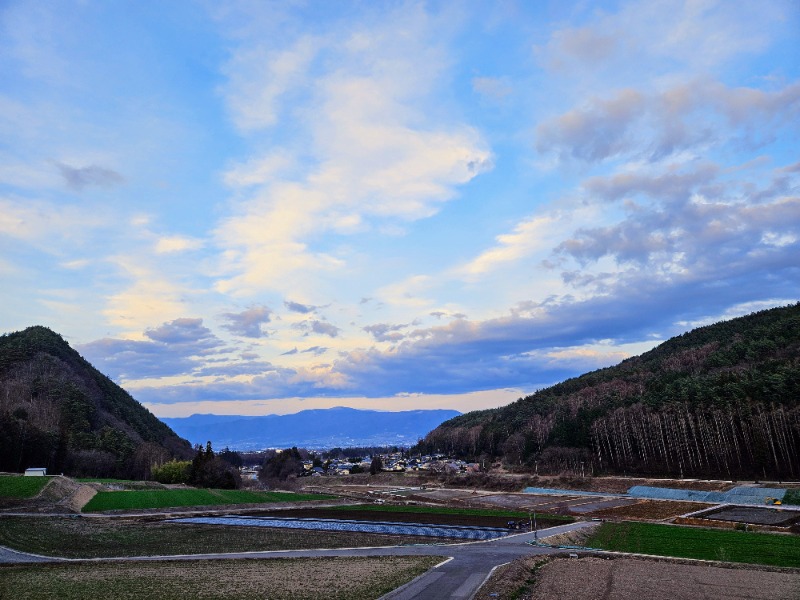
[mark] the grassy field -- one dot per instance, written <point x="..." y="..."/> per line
<point x="707" y="544"/>
<point x="17" y="486"/>
<point x="442" y="510"/>
<point x="359" y="578"/>
<point x="97" y="537"/>
<point x="145" y="499"/>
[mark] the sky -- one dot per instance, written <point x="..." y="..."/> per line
<point x="261" y="207"/>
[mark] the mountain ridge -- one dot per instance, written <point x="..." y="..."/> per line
<point x="313" y="428"/>
<point x="58" y="411"/>
<point x="721" y="400"/>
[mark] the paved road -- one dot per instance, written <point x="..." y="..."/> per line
<point x="468" y="566"/>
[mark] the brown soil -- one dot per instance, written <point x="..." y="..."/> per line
<point x="650" y="510"/>
<point x="356" y="578"/>
<point x="78" y="498"/>
<point x="577" y="537"/>
<point x="61" y="494"/>
<point x="635" y="579"/>
<point x="595" y="578"/>
<point x="754" y="515"/>
<point x="512" y="580"/>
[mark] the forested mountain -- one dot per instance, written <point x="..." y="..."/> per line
<point x="59" y="412"/>
<point x="721" y="400"/>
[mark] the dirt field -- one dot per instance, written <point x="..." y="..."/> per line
<point x="649" y="510"/>
<point x="361" y="578"/>
<point x="754" y="515"/>
<point x="591" y="578"/>
<point x="518" y="501"/>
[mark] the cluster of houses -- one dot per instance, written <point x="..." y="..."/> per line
<point x="395" y="462"/>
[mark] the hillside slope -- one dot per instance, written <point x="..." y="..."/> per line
<point x="59" y="412"/>
<point x="721" y="400"/>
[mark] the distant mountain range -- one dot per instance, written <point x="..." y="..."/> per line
<point x="320" y="428"/>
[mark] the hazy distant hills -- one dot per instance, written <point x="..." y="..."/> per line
<point x="57" y="411"/>
<point x="721" y="400"/>
<point x="321" y="428"/>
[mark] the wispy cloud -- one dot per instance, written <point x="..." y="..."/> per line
<point x="78" y="178"/>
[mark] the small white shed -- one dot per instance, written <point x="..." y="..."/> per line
<point x="36" y="472"/>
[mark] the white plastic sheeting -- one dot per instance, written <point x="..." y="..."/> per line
<point x="448" y="531"/>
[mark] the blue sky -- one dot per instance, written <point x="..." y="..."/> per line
<point x="256" y="207"/>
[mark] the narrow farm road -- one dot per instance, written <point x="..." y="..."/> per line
<point x="9" y="556"/>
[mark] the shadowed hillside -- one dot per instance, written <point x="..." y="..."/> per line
<point x="721" y="400"/>
<point x="59" y="412"/>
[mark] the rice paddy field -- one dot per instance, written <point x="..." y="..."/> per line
<point x="359" y="578"/>
<point x="689" y="542"/>
<point x="18" y="486"/>
<point x="173" y="498"/>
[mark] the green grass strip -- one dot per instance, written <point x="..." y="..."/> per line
<point x="707" y="544"/>
<point x="102" y="480"/>
<point x="145" y="499"/>
<point x="18" y="486"/>
<point x="792" y="497"/>
<point x="443" y="510"/>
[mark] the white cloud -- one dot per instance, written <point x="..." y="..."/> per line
<point x="259" y="170"/>
<point x="152" y="297"/>
<point x="373" y="153"/>
<point x="48" y="225"/>
<point x="258" y="77"/>
<point x="536" y="235"/>
<point x="667" y="35"/>
<point x="177" y="243"/>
